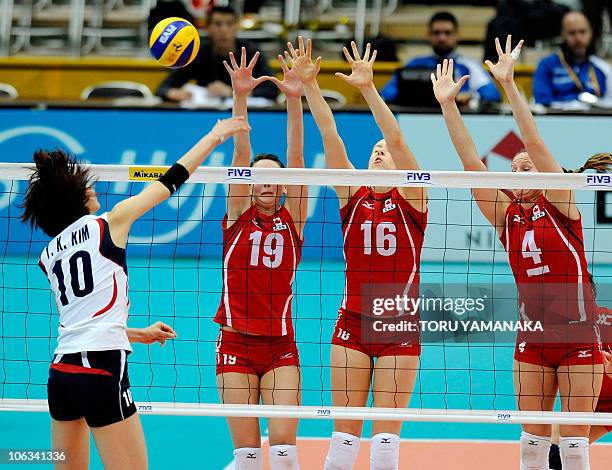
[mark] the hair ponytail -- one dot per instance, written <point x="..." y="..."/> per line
<point x="600" y="162"/>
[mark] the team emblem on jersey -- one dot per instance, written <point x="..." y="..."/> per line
<point x="278" y="224"/>
<point x="537" y="213"/>
<point x="389" y="206"/>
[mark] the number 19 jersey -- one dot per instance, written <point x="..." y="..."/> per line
<point x="261" y="254"/>
<point x="88" y="275"/>
<point x="383" y="237"/>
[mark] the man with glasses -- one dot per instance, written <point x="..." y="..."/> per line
<point x="443" y="37"/>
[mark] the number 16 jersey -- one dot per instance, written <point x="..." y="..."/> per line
<point x="260" y="257"/>
<point x="88" y="275"/>
<point x="383" y="237"/>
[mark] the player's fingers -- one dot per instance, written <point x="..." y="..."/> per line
<point x="444" y="66"/>
<point x="342" y="76"/>
<point x="283" y="64"/>
<point x="509" y="44"/>
<point x="498" y="47"/>
<point x="292" y="50"/>
<point x="318" y="64"/>
<point x="253" y="61"/>
<point x="301" y="48"/>
<point x="439" y="71"/>
<point x="433" y="78"/>
<point x="227" y="67"/>
<point x="462" y="81"/>
<point x="451" y="67"/>
<point x="257" y="81"/>
<point x="355" y="51"/>
<point x="366" y="54"/>
<point x="489" y="64"/>
<point x="373" y="58"/>
<point x="349" y="59"/>
<point x="243" y="57"/>
<point x="309" y="48"/>
<point x="233" y="60"/>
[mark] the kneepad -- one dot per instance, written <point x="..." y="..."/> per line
<point x="574" y="453"/>
<point x="248" y="458"/>
<point x="343" y="451"/>
<point x="534" y="452"/>
<point x="384" y="452"/>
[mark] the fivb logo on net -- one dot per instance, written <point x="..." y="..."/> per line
<point x="418" y="177"/>
<point x="599" y="180"/>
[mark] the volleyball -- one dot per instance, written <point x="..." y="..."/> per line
<point x="174" y="42"/>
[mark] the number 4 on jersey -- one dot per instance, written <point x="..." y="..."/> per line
<point x="531" y="250"/>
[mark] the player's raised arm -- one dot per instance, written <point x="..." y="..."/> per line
<point x="335" y="151"/>
<point x="122" y="216"/>
<point x="491" y="202"/>
<point x="291" y="86"/>
<point x="538" y="151"/>
<point x="242" y="83"/>
<point x="362" y="78"/>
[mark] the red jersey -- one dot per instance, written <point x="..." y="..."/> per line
<point x="546" y="253"/>
<point x="260" y="256"/>
<point x="383" y="237"/>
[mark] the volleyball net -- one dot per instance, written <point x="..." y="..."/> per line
<point x="468" y="298"/>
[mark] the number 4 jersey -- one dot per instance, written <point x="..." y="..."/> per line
<point x="260" y="257"/>
<point x="383" y="237"/>
<point x="88" y="275"/>
<point x="546" y="253"/>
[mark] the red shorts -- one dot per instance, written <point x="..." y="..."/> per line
<point x="254" y="354"/>
<point x="348" y="333"/>
<point x="558" y="354"/>
<point x="604" y="405"/>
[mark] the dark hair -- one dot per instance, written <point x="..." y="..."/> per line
<point x="268" y="156"/>
<point x="57" y="192"/>
<point x="600" y="162"/>
<point x="222" y="11"/>
<point x="443" y="16"/>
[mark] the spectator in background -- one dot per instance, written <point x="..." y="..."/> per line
<point x="443" y="37"/>
<point x="561" y="77"/>
<point x="207" y="68"/>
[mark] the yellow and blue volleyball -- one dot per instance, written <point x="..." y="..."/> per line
<point x="174" y="42"/>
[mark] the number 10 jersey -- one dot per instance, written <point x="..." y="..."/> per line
<point x="88" y="275"/>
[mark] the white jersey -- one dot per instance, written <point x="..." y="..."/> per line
<point x="88" y="275"/>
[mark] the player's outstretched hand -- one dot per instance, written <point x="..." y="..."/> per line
<point x="444" y="86"/>
<point x="306" y="70"/>
<point x="290" y="85"/>
<point x="242" y="75"/>
<point x="362" y="74"/>
<point x="503" y="70"/>
<point x="158" y="332"/>
<point x="228" y="127"/>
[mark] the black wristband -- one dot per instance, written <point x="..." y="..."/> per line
<point x="174" y="178"/>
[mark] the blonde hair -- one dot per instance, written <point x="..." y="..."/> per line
<point x="600" y="162"/>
